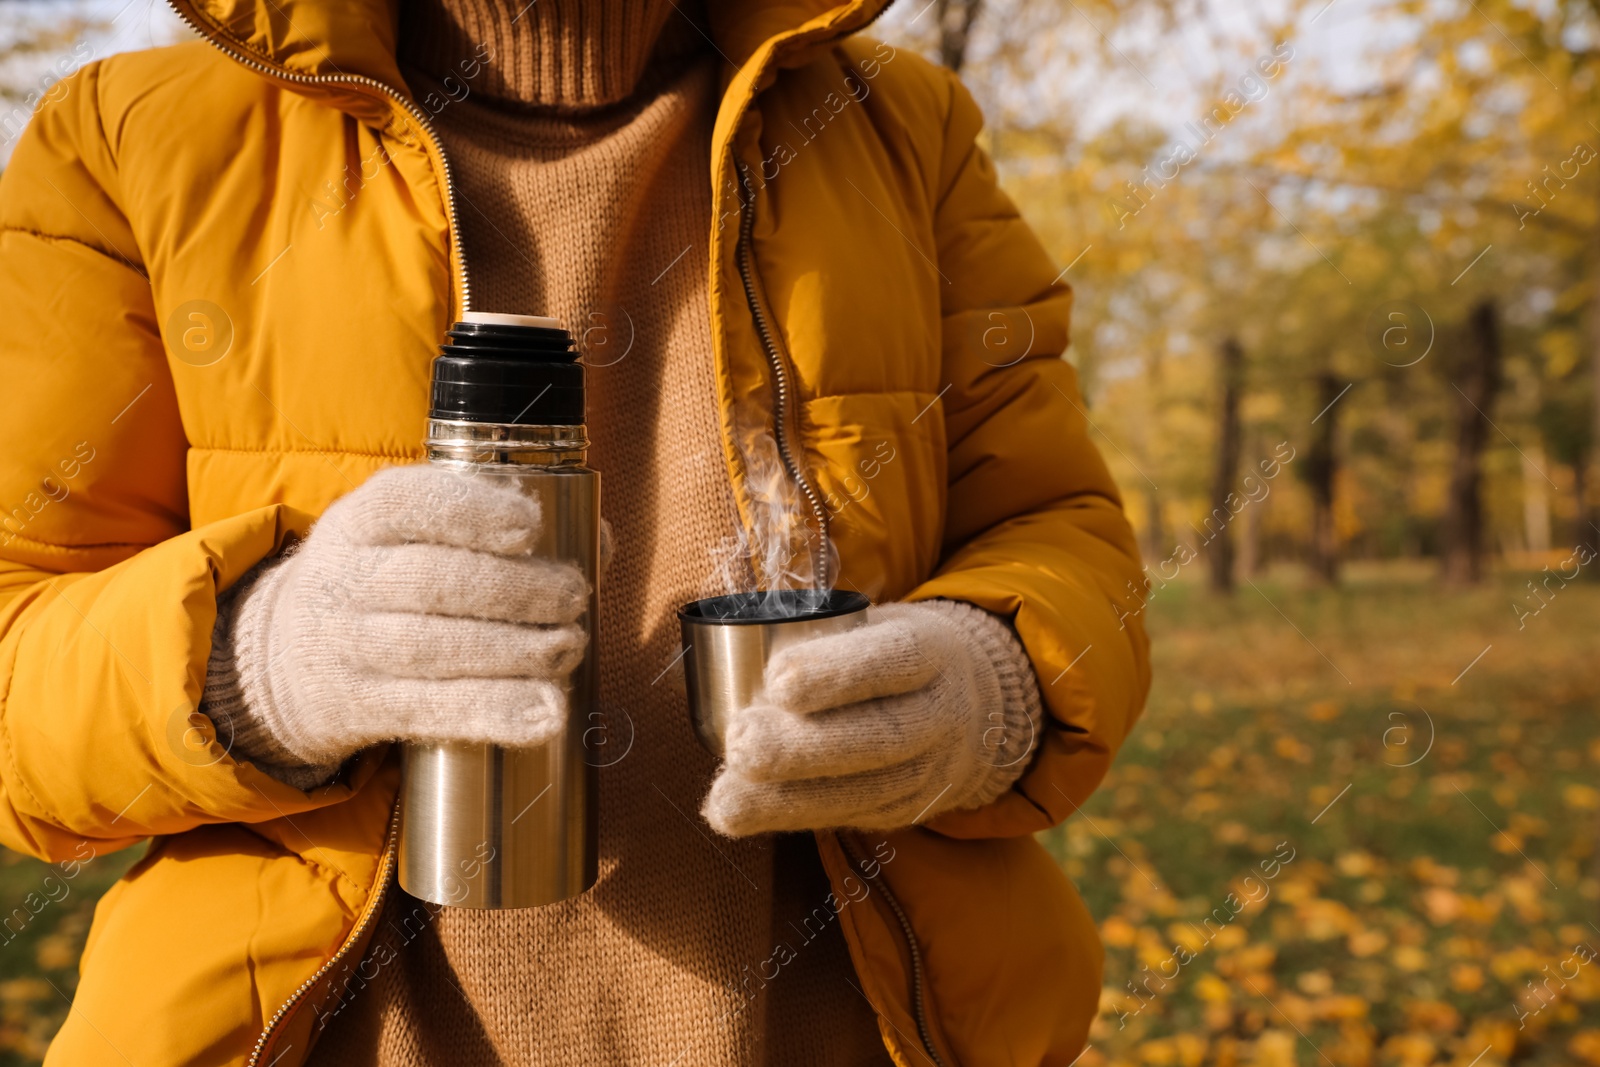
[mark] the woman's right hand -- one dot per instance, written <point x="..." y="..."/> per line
<point x="415" y="611"/>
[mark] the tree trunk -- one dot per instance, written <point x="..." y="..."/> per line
<point x="1478" y="382"/>
<point x="1322" y="469"/>
<point x="1250" y="559"/>
<point x="1151" y="410"/>
<point x="955" y="28"/>
<point x="1218" y="524"/>
<point x="1585" y="533"/>
<point x="1535" y="503"/>
<point x="1156" y="531"/>
<point x="1589" y="520"/>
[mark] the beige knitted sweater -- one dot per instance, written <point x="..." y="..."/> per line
<point x="580" y="136"/>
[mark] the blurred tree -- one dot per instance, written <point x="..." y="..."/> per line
<point x="38" y="47"/>
<point x="1450" y="162"/>
<point x="955" y="29"/>
<point x="1224" y="487"/>
<point x="1568" y="432"/>
<point x="1321" y="472"/>
<point x="1477" y="381"/>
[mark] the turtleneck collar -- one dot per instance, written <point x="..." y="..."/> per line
<point x="563" y="54"/>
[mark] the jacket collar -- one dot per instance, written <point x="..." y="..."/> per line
<point x="325" y="48"/>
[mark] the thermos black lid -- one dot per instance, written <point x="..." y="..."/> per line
<point x="520" y="369"/>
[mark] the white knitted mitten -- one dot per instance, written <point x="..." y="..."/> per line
<point x="412" y="611"/>
<point x="930" y="707"/>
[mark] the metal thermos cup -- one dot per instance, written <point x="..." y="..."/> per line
<point x="483" y="826"/>
<point x="728" y="640"/>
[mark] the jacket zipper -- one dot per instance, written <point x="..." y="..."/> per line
<point x="782" y="390"/>
<point x="447" y="175"/>
<point x="919" y="1006"/>
<point x="782" y="386"/>
<point x="374" y="902"/>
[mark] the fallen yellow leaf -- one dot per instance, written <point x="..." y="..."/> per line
<point x="1117" y="932"/>
<point x="1466" y="978"/>
<point x="1410" y="958"/>
<point x="1585" y="1045"/>
<point x="1357" y="864"/>
<point x="1581" y="797"/>
<point x="1367" y="942"/>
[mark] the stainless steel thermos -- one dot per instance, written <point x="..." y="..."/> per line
<point x="483" y="826"/>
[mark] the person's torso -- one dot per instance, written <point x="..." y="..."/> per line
<point x="300" y="264"/>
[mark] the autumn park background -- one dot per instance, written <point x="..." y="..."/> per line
<point x="1338" y="328"/>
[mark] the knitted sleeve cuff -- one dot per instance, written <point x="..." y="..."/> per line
<point x="1012" y="739"/>
<point x="243" y="726"/>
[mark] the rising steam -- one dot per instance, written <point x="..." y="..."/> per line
<point x="770" y="569"/>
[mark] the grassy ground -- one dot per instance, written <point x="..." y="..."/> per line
<point x="1410" y="849"/>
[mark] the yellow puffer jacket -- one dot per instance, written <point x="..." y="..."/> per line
<point x="225" y="267"/>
